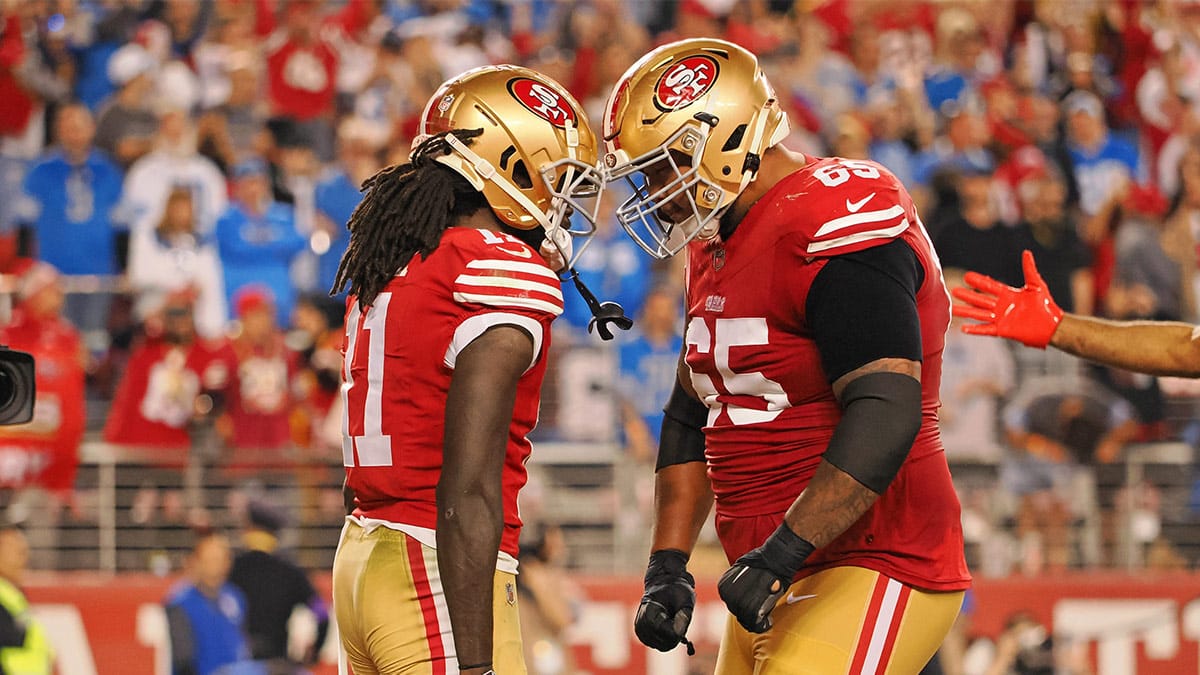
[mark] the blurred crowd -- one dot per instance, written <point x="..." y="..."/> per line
<point x="177" y="175"/>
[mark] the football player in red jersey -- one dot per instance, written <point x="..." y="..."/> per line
<point x="447" y="329"/>
<point x="807" y="400"/>
<point x="1030" y="316"/>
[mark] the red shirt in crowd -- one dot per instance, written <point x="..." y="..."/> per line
<point x="45" y="452"/>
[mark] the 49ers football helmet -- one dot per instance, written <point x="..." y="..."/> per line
<point x="701" y="113"/>
<point x="535" y="161"/>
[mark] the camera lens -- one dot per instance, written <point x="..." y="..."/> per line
<point x="8" y="387"/>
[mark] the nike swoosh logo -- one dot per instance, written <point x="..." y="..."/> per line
<point x="793" y="599"/>
<point x="853" y="207"/>
<point x="521" y="252"/>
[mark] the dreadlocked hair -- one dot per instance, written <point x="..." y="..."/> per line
<point x="404" y="212"/>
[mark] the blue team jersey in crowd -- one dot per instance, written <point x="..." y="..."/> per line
<point x="1097" y="173"/>
<point x="648" y="376"/>
<point x="74" y="207"/>
<point x="336" y="198"/>
<point x="216" y="627"/>
<point x="259" y="250"/>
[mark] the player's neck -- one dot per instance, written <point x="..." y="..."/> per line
<point x="777" y="163"/>
<point x="482" y="219"/>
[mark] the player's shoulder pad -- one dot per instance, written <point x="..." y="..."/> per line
<point x="498" y="270"/>
<point x="836" y="206"/>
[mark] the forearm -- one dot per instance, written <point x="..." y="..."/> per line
<point x="682" y="500"/>
<point x="470" y="503"/>
<point x="468" y="540"/>
<point x="831" y="503"/>
<point x="1157" y="348"/>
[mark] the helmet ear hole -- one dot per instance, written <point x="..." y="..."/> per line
<point x="520" y="175"/>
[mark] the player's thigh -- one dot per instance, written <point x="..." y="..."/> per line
<point x="391" y="595"/>
<point x="393" y="612"/>
<point x="843" y="620"/>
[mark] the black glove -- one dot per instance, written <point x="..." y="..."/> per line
<point x="666" y="608"/>
<point x="758" y="579"/>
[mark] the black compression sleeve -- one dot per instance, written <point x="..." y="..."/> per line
<point x="880" y="419"/>
<point x="862" y="307"/>
<point x="681" y="439"/>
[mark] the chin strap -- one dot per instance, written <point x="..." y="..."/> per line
<point x="603" y="314"/>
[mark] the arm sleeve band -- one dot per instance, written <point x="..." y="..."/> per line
<point x="862" y="307"/>
<point x="682" y="437"/>
<point x="880" y="419"/>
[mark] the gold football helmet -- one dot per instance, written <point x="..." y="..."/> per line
<point x="687" y="124"/>
<point x="535" y="161"/>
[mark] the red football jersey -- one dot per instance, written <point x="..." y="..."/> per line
<point x="156" y="399"/>
<point x="45" y="451"/>
<point x="400" y="357"/>
<point x="771" y="409"/>
<point x="260" y="395"/>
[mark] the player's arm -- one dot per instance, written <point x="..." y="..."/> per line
<point x="862" y="313"/>
<point x="1030" y="315"/>
<point x="682" y="499"/>
<point x="470" y="520"/>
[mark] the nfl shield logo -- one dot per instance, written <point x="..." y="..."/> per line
<point x="510" y="594"/>
<point x="718" y="259"/>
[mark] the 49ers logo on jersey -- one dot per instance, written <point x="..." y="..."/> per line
<point x="542" y="101"/>
<point x="684" y="82"/>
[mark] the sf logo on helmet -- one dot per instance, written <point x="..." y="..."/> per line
<point x="542" y="101"/>
<point x="684" y="82"/>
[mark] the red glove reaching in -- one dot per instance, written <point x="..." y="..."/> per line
<point x="1027" y="314"/>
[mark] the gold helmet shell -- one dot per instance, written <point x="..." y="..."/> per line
<point x="537" y="154"/>
<point x="703" y="111"/>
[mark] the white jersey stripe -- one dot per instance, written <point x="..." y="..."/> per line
<point x="818" y="246"/>
<point x="883" y="625"/>
<point x="859" y="219"/>
<point x="434" y="576"/>
<point x="512" y="266"/>
<point x="509" y="282"/>
<point x="509" y="301"/>
<point x="476" y="325"/>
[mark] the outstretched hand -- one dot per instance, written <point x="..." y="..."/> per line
<point x="1027" y="314"/>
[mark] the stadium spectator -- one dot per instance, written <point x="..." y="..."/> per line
<point x="959" y="59"/>
<point x="175" y="257"/>
<point x="73" y="195"/>
<point x="206" y="615"/>
<point x="126" y="121"/>
<point x="1150" y="256"/>
<point x="302" y="66"/>
<point x="647" y="363"/>
<point x="24" y="643"/>
<point x="975" y="239"/>
<point x="257" y="238"/>
<point x="236" y="125"/>
<point x="174" y="163"/>
<point x="260" y="392"/>
<point x="274" y="587"/>
<point x="977" y="375"/>
<point x="45" y="452"/>
<point x="1181" y="219"/>
<point x="549" y="601"/>
<point x="1048" y="230"/>
<point x="1061" y="429"/>
<point x="317" y="335"/>
<point x="337" y="193"/>
<point x="1101" y="161"/>
<point x="173" y="379"/>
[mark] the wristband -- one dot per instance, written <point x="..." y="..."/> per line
<point x="785" y="551"/>
<point x="667" y="561"/>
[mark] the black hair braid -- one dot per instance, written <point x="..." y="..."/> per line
<point x="404" y="212"/>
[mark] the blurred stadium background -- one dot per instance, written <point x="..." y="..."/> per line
<point x="175" y="179"/>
